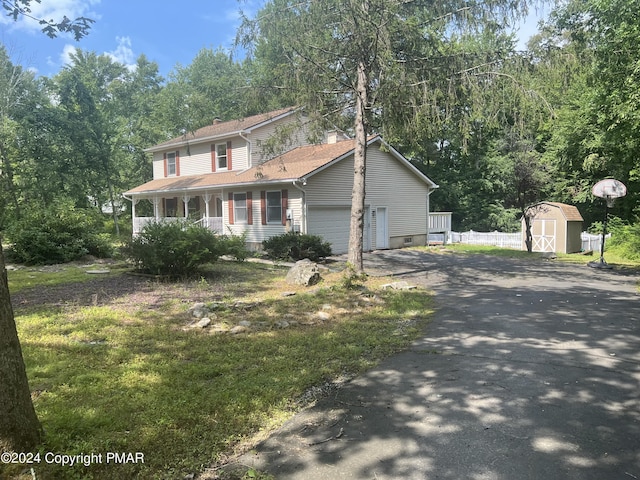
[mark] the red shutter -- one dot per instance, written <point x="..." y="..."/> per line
<point x="263" y="206"/>
<point x="230" y="208"/>
<point x="177" y="163"/>
<point x="285" y="205"/>
<point x="213" y="157"/>
<point x="165" y="165"/>
<point x="229" y="167"/>
<point x="249" y="208"/>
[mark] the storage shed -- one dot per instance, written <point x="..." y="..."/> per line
<point x="555" y="227"/>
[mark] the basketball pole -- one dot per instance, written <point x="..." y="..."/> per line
<point x="601" y="263"/>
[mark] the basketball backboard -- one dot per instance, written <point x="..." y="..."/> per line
<point x="609" y="188"/>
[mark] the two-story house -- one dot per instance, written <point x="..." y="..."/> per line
<point x="222" y="175"/>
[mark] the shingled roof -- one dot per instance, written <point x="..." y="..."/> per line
<point x="570" y="212"/>
<point x="222" y="129"/>
<point x="293" y="165"/>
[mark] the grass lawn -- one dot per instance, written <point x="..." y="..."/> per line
<point x="610" y="257"/>
<point x="129" y="374"/>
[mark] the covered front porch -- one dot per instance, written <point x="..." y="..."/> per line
<point x="199" y="207"/>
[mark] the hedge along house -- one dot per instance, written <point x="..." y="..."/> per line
<point x="220" y="176"/>
<point x="555" y="227"/>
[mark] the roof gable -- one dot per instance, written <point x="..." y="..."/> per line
<point x="222" y="129"/>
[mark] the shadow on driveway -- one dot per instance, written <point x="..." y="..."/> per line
<point x="529" y="370"/>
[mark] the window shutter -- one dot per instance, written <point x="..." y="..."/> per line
<point x="213" y="157"/>
<point x="166" y="171"/>
<point x="230" y="208"/>
<point x="177" y="163"/>
<point x="229" y="167"/>
<point x="285" y="205"/>
<point x="249" y="208"/>
<point x="263" y="206"/>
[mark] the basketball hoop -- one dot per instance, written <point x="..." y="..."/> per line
<point x="608" y="189"/>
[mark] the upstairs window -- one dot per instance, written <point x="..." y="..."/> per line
<point x="221" y="156"/>
<point x="171" y="163"/>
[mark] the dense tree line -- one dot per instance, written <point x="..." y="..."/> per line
<point x="496" y="128"/>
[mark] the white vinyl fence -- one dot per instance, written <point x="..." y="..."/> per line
<point x="506" y="240"/>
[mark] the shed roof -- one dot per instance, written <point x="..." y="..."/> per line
<point x="570" y="212"/>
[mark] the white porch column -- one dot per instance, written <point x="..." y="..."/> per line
<point x="207" y="198"/>
<point x="156" y="207"/>
<point x="134" y="202"/>
<point x="185" y="201"/>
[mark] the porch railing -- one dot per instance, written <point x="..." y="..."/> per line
<point x="212" y="223"/>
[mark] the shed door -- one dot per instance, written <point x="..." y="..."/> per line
<point x="332" y="224"/>
<point x="544" y="235"/>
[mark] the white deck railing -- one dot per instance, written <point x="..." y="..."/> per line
<point x="439" y="222"/>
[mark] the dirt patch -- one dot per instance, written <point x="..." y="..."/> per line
<point x="127" y="292"/>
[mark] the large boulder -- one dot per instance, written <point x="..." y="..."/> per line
<point x="304" y="272"/>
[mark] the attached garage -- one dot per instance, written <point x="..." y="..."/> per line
<point x="332" y="224"/>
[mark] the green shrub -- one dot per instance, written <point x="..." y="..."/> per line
<point x="236" y="246"/>
<point x="296" y="246"/>
<point x="59" y="234"/>
<point x="625" y="239"/>
<point x="174" y="248"/>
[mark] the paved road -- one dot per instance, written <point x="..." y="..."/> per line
<point x="529" y="370"/>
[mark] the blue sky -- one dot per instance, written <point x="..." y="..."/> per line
<point x="168" y="33"/>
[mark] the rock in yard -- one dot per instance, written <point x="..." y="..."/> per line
<point x="203" y="323"/>
<point x="304" y="272"/>
<point x="238" y="329"/>
<point x="198" y="310"/>
<point x="398" y="286"/>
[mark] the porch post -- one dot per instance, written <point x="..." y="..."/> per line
<point x="134" y="201"/>
<point x="156" y="207"/>
<point x="207" y="198"/>
<point x="185" y="201"/>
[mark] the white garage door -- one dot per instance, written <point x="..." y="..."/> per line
<point x="332" y="224"/>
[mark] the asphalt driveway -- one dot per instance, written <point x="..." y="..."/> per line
<point x="529" y="370"/>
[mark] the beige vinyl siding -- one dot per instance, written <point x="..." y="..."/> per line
<point x="332" y="186"/>
<point x="262" y="134"/>
<point x="257" y="232"/>
<point x="198" y="161"/>
<point x="158" y="165"/>
<point x="391" y="184"/>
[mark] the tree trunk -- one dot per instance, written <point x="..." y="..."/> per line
<point x="20" y="430"/>
<point x="528" y="236"/>
<point x="354" y="256"/>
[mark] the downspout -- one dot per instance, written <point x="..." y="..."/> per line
<point x="249" y="159"/>
<point x="303" y="220"/>
<point x="428" y="216"/>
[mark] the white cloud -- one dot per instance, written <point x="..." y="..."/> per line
<point x="65" y="56"/>
<point x="54" y="10"/>
<point x="123" y="53"/>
